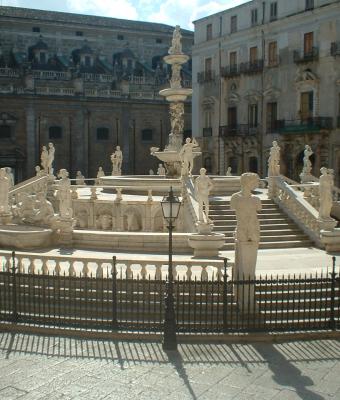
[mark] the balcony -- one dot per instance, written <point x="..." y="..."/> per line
<point x="237" y="130"/>
<point x="304" y="57"/>
<point x="206" y="77"/>
<point x="253" y="67"/>
<point x="335" y="49"/>
<point x="274" y="126"/>
<point x="310" y="125"/>
<point x="231" y="71"/>
<point x="207" y="132"/>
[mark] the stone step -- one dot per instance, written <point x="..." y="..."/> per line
<point x="277" y="227"/>
<point x="228" y="209"/>
<point x="276" y="245"/>
<point x="269" y="232"/>
<point x="273" y="221"/>
<point x="262" y="214"/>
<point x="275" y="238"/>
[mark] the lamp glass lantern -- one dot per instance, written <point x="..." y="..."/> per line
<point x="170" y="206"/>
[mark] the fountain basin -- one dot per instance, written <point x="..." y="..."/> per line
<point x="25" y="237"/>
<point x="174" y="95"/>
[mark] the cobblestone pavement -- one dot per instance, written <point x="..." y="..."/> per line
<point x="58" y="368"/>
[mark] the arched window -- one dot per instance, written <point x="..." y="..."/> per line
<point x="55" y="132"/>
<point x="5" y="132"/>
<point x="102" y="133"/>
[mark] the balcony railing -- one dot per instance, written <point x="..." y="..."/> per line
<point x="315" y="124"/>
<point x="237" y="130"/>
<point x="335" y="49"/>
<point x="274" y="126"/>
<point x="205" y="77"/>
<point x="306" y="56"/>
<point x="10" y="72"/>
<point x="207" y="132"/>
<point x="230" y="71"/>
<point x="252" y="67"/>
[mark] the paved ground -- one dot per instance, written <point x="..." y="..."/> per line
<point x="39" y="367"/>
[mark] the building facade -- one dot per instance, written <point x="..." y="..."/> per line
<point x="268" y="70"/>
<point x="86" y="84"/>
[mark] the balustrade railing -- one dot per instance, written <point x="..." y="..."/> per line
<point x="10" y="72"/>
<point x="52" y="75"/>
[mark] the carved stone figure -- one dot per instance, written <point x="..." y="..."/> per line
<point x="24" y="211"/>
<point x="175" y="81"/>
<point x="203" y="186"/>
<point x="160" y="170"/>
<point x="176" y="118"/>
<point x="305" y="175"/>
<point x="187" y="156"/>
<point x="274" y="160"/>
<point x="64" y="195"/>
<point x="228" y="173"/>
<point x="176" y="45"/>
<point x="82" y="219"/>
<point x="100" y="174"/>
<point x="151" y="172"/>
<point x="44" y="212"/>
<point x="4" y="192"/>
<point x="115" y="170"/>
<point x="132" y="220"/>
<point x="51" y="151"/>
<point x="44" y="159"/>
<point x="119" y="158"/>
<point x="80" y="178"/>
<point x="9" y="175"/>
<point x="38" y="171"/>
<point x="326" y="183"/>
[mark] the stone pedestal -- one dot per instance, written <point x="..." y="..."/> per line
<point x="306" y="178"/>
<point x="206" y="245"/>
<point x="5" y="218"/>
<point x="327" y="224"/>
<point x="331" y="239"/>
<point x="64" y="229"/>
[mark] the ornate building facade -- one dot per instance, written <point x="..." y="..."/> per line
<point x="86" y="84"/>
<point x="263" y="71"/>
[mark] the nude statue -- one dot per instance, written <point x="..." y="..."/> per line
<point x="100" y="174"/>
<point x="326" y="183"/>
<point x="307" y="165"/>
<point x="114" y="160"/>
<point x="51" y="151"/>
<point x="274" y="160"/>
<point x="203" y="186"/>
<point x="80" y="178"/>
<point x="119" y="158"/>
<point x="246" y="207"/>
<point x="44" y="159"/>
<point x="161" y="170"/>
<point x="176" y="45"/>
<point x="4" y="192"/>
<point x="64" y="195"/>
<point x="228" y="173"/>
<point x="187" y="156"/>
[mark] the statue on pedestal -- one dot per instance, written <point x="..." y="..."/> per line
<point x="203" y="186"/>
<point x="228" y="173"/>
<point x="80" y="178"/>
<point x="100" y="174"/>
<point x="187" y="156"/>
<point x="176" y="45"/>
<point x="4" y="192"/>
<point x="307" y="165"/>
<point x="44" y="159"/>
<point x="64" y="195"/>
<point x="274" y="160"/>
<point x="51" y="151"/>
<point x="117" y="159"/>
<point x="326" y="183"/>
<point x="161" y="170"/>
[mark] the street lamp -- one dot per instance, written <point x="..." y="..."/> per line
<point x="170" y="208"/>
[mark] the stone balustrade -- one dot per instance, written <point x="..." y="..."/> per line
<point x="103" y="267"/>
<point x="30" y="186"/>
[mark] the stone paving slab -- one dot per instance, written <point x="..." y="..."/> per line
<point x="59" y="368"/>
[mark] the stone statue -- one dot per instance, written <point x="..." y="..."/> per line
<point x="175" y="81"/>
<point x="80" y="178"/>
<point x="151" y="172"/>
<point x="326" y="193"/>
<point x="228" y="173"/>
<point x="187" y="156"/>
<point x="305" y="175"/>
<point x="44" y="212"/>
<point x="44" y="159"/>
<point x="119" y="158"/>
<point x="38" y="171"/>
<point x="115" y="170"/>
<point x="247" y="234"/>
<point x="274" y="160"/>
<point x="4" y="192"/>
<point x="51" y="151"/>
<point x="161" y="170"/>
<point x="176" y="45"/>
<point x="100" y="174"/>
<point x="176" y="118"/>
<point x="25" y="211"/>
<point x="64" y="195"/>
<point x="203" y="186"/>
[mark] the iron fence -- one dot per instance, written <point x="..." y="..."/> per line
<point x="227" y="304"/>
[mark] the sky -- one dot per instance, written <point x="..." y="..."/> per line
<point x="171" y="12"/>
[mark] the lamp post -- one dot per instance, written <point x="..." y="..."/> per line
<point x="170" y="208"/>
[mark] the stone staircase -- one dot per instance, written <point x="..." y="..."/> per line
<point x="277" y="229"/>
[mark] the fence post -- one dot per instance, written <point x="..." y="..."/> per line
<point x="332" y="324"/>
<point x="225" y="295"/>
<point x="114" y="293"/>
<point x="15" y="315"/>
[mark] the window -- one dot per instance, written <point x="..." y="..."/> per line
<point x="232" y="117"/>
<point x="36" y="29"/>
<point x="253" y="55"/>
<point x="102" y="133"/>
<point x="208" y="68"/>
<point x="308" y="43"/>
<point x="309" y="5"/>
<point x="233" y="59"/>
<point x="87" y="61"/>
<point x="79" y="33"/>
<point x="252" y="115"/>
<point x="209" y="31"/>
<point x="55" y="132"/>
<point x="233" y="24"/>
<point x="272" y="53"/>
<point x="120" y="37"/>
<point x="254" y="16"/>
<point x="42" y="57"/>
<point x="306" y="105"/>
<point x="271" y="117"/>
<point x="5" y="132"/>
<point x="273" y="11"/>
<point x="159" y="40"/>
<point x="147" y="135"/>
<point x="207" y="119"/>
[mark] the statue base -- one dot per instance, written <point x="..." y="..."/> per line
<point x="206" y="245"/>
<point x="331" y="239"/>
<point x="306" y="178"/>
<point x="6" y="218"/>
<point x="245" y="259"/>
<point x="64" y="231"/>
<point x="327" y="224"/>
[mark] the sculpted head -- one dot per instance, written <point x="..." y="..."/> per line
<point x="50" y="145"/>
<point x="187" y="140"/>
<point x="249" y="181"/>
<point x="117" y="147"/>
<point x="274" y="143"/>
<point x="63" y="173"/>
<point x="100" y="168"/>
<point x="323" y="170"/>
<point x="203" y="171"/>
<point x="44" y="148"/>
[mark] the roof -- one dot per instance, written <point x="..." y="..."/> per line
<point x="224" y="11"/>
<point x="87" y="20"/>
